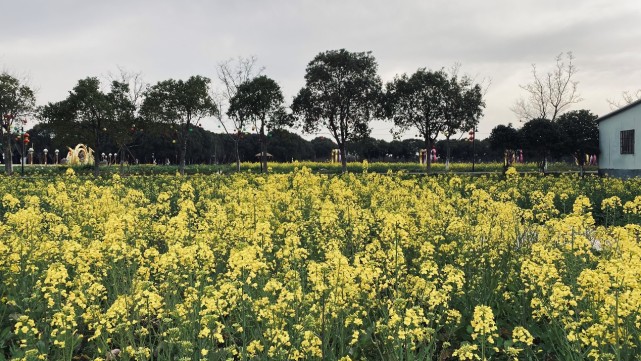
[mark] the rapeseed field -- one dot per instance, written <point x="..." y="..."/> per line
<point x="304" y="266"/>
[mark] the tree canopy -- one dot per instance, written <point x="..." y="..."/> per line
<point x="463" y="108"/>
<point x="260" y="101"/>
<point x="504" y="137"/>
<point x="541" y="138"/>
<point x="17" y="100"/>
<point x="418" y="102"/>
<point x="342" y="94"/>
<point x="582" y="133"/>
<point x="91" y="114"/>
<point x="180" y="104"/>
<point x="232" y="73"/>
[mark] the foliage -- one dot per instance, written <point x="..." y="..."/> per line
<point x="16" y="101"/>
<point x="342" y="93"/>
<point x="287" y="146"/>
<point x="406" y="149"/>
<point x="463" y="108"/>
<point x="180" y="104"/>
<point x="505" y="137"/>
<point x="581" y="130"/>
<point x="260" y="102"/>
<point x="418" y="102"/>
<point x="371" y="149"/>
<point x="123" y="128"/>
<point x="541" y="137"/>
<point x="91" y="114"/>
<point x="323" y="148"/>
<point x="232" y="73"/>
<point x="554" y="168"/>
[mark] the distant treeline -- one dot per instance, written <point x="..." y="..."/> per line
<point x="206" y="147"/>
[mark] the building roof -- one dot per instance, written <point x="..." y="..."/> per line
<point x="620" y="110"/>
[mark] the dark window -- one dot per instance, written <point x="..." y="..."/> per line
<point x="627" y="141"/>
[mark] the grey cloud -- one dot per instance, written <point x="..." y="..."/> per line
<point x="59" y="42"/>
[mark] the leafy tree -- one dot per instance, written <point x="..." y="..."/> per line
<point x="44" y="137"/>
<point x="153" y="145"/>
<point x="371" y="148"/>
<point x="201" y="148"/>
<point x="16" y="101"/>
<point x="285" y="146"/>
<point x="549" y="94"/>
<point x="89" y="113"/>
<point x="123" y="125"/>
<point x="129" y="89"/>
<point x="249" y="146"/>
<point x="232" y="73"/>
<point x="418" y="101"/>
<point x="504" y="137"/>
<point x="541" y="137"/>
<point x="463" y="108"/>
<point x="342" y="93"/>
<point x="406" y="149"/>
<point x="260" y="101"/>
<point x="582" y="134"/>
<point x="180" y="104"/>
<point x="460" y="149"/>
<point x="323" y="148"/>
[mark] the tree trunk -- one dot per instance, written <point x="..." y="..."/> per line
<point x="343" y="149"/>
<point x="98" y="151"/>
<point x="263" y="156"/>
<point x="447" y="157"/>
<point x="581" y="160"/>
<point x="8" y="154"/>
<point x="237" y="154"/>
<point x="122" y="161"/>
<point x="428" y="164"/>
<point x="183" y="154"/>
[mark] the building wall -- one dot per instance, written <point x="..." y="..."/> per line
<point x="610" y="141"/>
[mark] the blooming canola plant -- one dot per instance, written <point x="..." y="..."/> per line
<point x="309" y="266"/>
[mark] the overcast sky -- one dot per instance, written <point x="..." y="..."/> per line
<point x="56" y="43"/>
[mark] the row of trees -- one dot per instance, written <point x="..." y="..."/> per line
<point x="206" y="147"/>
<point x="342" y="94"/>
<point x="574" y="133"/>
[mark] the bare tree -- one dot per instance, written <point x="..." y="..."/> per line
<point x="627" y="97"/>
<point x="134" y="87"/>
<point x="464" y="105"/>
<point x="549" y="94"/>
<point x="232" y="73"/>
<point x="134" y="80"/>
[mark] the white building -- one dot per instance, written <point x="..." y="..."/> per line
<point x="619" y="142"/>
